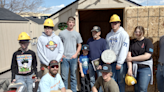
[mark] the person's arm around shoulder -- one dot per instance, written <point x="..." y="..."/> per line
<point x="97" y="84"/>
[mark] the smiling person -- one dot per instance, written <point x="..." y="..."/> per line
<point x="105" y="81"/>
<point x="97" y="45"/>
<point x="52" y="81"/>
<point x="24" y="63"/>
<point x="72" y="45"/>
<point x="118" y="41"/>
<point x="139" y="60"/>
<point x="49" y="46"/>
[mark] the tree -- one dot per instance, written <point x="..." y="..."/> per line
<point x="19" y="6"/>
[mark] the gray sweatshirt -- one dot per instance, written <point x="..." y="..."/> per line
<point x="49" y="48"/>
<point x="119" y="43"/>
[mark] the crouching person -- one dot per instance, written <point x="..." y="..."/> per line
<point x="105" y="81"/>
<point x="52" y="82"/>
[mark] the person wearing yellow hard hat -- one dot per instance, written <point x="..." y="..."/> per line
<point x="139" y="60"/>
<point x="118" y="41"/>
<point x="49" y="46"/>
<point x="24" y="63"/>
<point x="105" y="81"/>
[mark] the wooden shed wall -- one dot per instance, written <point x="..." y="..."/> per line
<point x="9" y="31"/>
<point x="152" y="19"/>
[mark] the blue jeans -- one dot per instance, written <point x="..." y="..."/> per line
<point x="26" y="80"/>
<point x="119" y="75"/>
<point x="143" y="78"/>
<point x="160" y="78"/>
<point x="65" y="65"/>
<point x="92" y="76"/>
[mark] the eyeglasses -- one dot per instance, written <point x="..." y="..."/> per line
<point x="57" y="66"/>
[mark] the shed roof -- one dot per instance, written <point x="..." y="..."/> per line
<point x="79" y="0"/>
<point x="6" y="14"/>
<point x="36" y="20"/>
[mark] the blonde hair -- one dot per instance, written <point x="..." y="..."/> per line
<point x="142" y="30"/>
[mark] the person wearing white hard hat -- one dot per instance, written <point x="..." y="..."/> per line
<point x="118" y="41"/>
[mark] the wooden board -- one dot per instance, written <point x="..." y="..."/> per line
<point x="154" y="11"/>
<point x="132" y="12"/>
<point x="153" y="27"/>
<point x="131" y="24"/>
<point x="142" y="12"/>
<point x="161" y="26"/>
<point x="142" y="21"/>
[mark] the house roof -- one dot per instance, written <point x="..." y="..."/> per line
<point x="36" y="20"/>
<point x="8" y="15"/>
<point x="78" y="0"/>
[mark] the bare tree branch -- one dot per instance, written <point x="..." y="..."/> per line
<point x="19" y="6"/>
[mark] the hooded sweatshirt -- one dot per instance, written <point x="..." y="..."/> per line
<point x="49" y="48"/>
<point x="119" y="43"/>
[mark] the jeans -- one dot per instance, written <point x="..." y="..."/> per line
<point x="160" y="78"/>
<point x="143" y="78"/>
<point x="119" y="75"/>
<point x="92" y="76"/>
<point x="85" y="87"/>
<point x="65" y="65"/>
<point x="26" y="80"/>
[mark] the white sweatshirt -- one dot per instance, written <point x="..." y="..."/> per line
<point x="49" y="48"/>
<point x="119" y="43"/>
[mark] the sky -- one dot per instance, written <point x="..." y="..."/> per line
<point x="52" y="6"/>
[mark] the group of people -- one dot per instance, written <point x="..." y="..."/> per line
<point x="135" y="54"/>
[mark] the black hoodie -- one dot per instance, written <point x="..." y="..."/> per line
<point x="24" y="63"/>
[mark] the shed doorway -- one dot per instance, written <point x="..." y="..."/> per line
<point x="90" y="18"/>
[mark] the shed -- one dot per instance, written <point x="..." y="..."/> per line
<point x="36" y="26"/>
<point x="89" y="13"/>
<point x="11" y="25"/>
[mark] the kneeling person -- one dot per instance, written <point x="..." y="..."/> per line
<point x="52" y="80"/>
<point x="105" y="81"/>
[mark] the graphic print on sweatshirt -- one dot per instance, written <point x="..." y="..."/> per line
<point x="113" y="40"/>
<point x="51" y="45"/>
<point x="24" y="63"/>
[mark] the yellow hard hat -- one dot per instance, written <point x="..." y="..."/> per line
<point x="48" y="22"/>
<point x="130" y="80"/>
<point x="23" y="36"/>
<point x="115" y="18"/>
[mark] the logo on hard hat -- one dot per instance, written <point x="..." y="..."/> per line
<point x="105" y="68"/>
<point x="51" y="45"/>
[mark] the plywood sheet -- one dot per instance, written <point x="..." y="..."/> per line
<point x="161" y="26"/>
<point x="154" y="11"/>
<point x="131" y="24"/>
<point x="162" y="11"/>
<point x="143" y="21"/>
<point x="153" y="27"/>
<point x="142" y="11"/>
<point x="132" y="12"/>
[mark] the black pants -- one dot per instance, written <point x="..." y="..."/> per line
<point x="85" y="83"/>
